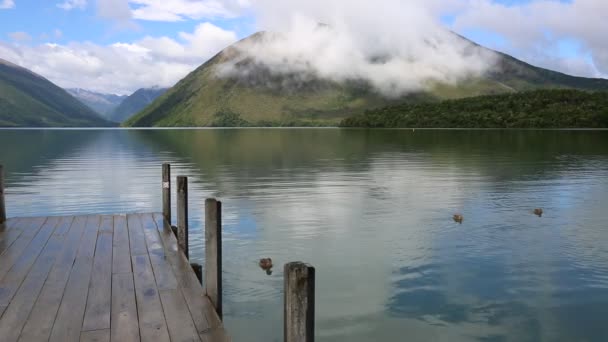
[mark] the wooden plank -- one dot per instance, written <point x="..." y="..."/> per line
<point x="2" y="205"/>
<point x="182" y="215"/>
<point x="9" y="232"/>
<point x="63" y="227"/>
<point x="107" y="224"/>
<point x="137" y="241"/>
<point x="179" y="320"/>
<point x="163" y="273"/>
<point x="20" y="306"/>
<point x="166" y="186"/>
<point x="215" y="335"/>
<point x="68" y="322"/>
<point x="121" y="260"/>
<point x="40" y="323"/>
<point x="125" y="326"/>
<point x="152" y="325"/>
<point x="95" y="336"/>
<point x="99" y="301"/>
<point x="29" y="228"/>
<point x="203" y="314"/>
<point x="11" y="282"/>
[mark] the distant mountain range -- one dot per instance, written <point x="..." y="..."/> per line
<point x="29" y="100"/>
<point x="117" y="108"/>
<point x="260" y="97"/>
<point x="102" y="104"/>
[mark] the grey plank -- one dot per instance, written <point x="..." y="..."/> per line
<point x="107" y="224"/>
<point x="153" y="240"/>
<point x="11" y="282"/>
<point x="29" y="228"/>
<point x="215" y="335"/>
<point x="121" y="260"/>
<point x="201" y="309"/>
<point x="137" y="240"/>
<point x="179" y="320"/>
<point x="21" y="305"/>
<point x="95" y="336"/>
<point x="163" y="273"/>
<point x="9" y="232"/>
<point x="40" y="322"/>
<point x="63" y="227"/>
<point x="68" y="322"/>
<point x="99" y="301"/>
<point x="125" y="326"/>
<point x="152" y="325"/>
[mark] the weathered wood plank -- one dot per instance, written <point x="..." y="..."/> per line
<point x="163" y="273"/>
<point x="68" y="322"/>
<point x="121" y="260"/>
<point x="12" y="280"/>
<point x="179" y="320"/>
<point x="201" y="309"/>
<point x="29" y="228"/>
<point x="63" y="227"/>
<point x="107" y="224"/>
<point x="125" y="326"/>
<point x="137" y="241"/>
<point x="152" y="325"/>
<point x="40" y="323"/>
<point x="2" y="205"/>
<point x="182" y="215"/>
<point x="95" y="336"/>
<point x="9" y="232"/>
<point x="21" y="304"/>
<point x="99" y="301"/>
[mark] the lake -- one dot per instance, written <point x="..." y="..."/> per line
<point x="372" y="211"/>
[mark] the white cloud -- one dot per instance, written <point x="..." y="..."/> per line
<point x="20" y="36"/>
<point x="72" y="4"/>
<point x="535" y="29"/>
<point x="121" y="67"/>
<point x="116" y="10"/>
<point x="395" y="46"/>
<point x="7" y="4"/>
<point x="177" y="10"/>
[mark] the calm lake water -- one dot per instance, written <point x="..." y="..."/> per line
<point x="372" y="211"/>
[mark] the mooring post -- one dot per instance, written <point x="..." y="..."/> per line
<point x="2" y="207"/>
<point x="167" y="192"/>
<point x="182" y="214"/>
<point x="213" y="253"/>
<point x="299" y="305"/>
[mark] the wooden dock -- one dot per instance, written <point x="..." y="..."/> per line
<point x="100" y="278"/>
<point x="124" y="278"/>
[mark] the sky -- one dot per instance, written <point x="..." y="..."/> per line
<point x="118" y="46"/>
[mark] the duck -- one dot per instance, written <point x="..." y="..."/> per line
<point x="266" y="264"/>
<point x="538" y="212"/>
<point x="458" y="218"/>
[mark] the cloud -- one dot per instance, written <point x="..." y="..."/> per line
<point x="121" y="67"/>
<point x="20" y="36"/>
<point x="7" y="4"/>
<point x="395" y="46"/>
<point x="178" y="10"/>
<point x="73" y="4"/>
<point x="534" y="30"/>
<point x="57" y="33"/>
<point x="115" y="10"/>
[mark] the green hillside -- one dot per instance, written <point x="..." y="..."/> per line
<point x="264" y="99"/>
<point x="29" y="100"/>
<point x="134" y="103"/>
<point x="533" y="109"/>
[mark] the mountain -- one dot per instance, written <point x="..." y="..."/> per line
<point x="135" y="103"/>
<point x="30" y="100"/>
<point x="261" y="97"/>
<point x="102" y="104"/>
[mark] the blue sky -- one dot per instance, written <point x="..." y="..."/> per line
<point x="97" y="36"/>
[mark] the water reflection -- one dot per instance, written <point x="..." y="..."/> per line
<point x="372" y="210"/>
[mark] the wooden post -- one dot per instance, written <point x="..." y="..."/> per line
<point x="198" y="270"/>
<point x="182" y="214"/>
<point x="299" y="306"/>
<point x="213" y="253"/>
<point x="167" y="192"/>
<point x="2" y="207"/>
